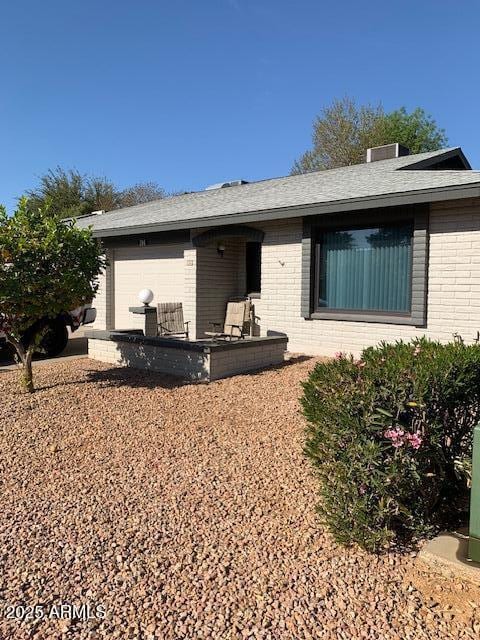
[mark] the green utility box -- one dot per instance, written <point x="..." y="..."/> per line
<point x="474" y="541"/>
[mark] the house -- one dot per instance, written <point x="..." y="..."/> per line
<point x="337" y="260"/>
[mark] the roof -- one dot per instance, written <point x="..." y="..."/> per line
<point x="408" y="179"/>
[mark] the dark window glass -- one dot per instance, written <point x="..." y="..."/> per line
<point x="254" y="266"/>
<point x="367" y="269"/>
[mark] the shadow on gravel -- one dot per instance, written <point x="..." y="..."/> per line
<point x="135" y="378"/>
<point x="124" y="377"/>
<point x="139" y="378"/>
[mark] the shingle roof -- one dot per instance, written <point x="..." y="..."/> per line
<point x="343" y="186"/>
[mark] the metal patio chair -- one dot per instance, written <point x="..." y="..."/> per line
<point x="170" y="319"/>
<point x="237" y="317"/>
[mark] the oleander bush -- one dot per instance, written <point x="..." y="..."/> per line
<point x="390" y="437"/>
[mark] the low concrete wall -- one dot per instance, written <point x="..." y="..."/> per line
<point x="177" y="362"/>
<point x="197" y="360"/>
<point x="231" y="362"/>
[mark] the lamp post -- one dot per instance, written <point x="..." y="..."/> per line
<point x="149" y="313"/>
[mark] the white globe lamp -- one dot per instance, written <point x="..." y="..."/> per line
<point x="145" y="296"/>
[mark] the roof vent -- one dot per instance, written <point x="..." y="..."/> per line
<point x="387" y="152"/>
<point x="223" y="185"/>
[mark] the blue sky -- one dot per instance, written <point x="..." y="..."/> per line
<point x="187" y="93"/>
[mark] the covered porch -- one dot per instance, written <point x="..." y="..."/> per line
<point x="201" y="269"/>
<point x="201" y="276"/>
<point x="227" y="266"/>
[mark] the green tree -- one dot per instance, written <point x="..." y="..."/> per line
<point x="47" y="266"/>
<point x="70" y="194"/>
<point x="64" y="190"/>
<point x="101" y="195"/>
<point x="417" y="130"/>
<point x="343" y="132"/>
<point x="140" y="193"/>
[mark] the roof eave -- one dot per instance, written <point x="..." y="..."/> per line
<point x="436" y="194"/>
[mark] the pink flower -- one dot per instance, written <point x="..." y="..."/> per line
<point x="415" y="440"/>
<point x="360" y="363"/>
<point x="396" y="436"/>
<point x="338" y="355"/>
<point x="417" y="350"/>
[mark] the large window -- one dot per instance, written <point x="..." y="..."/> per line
<point x="364" y="270"/>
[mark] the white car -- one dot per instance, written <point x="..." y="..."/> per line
<point x="55" y="337"/>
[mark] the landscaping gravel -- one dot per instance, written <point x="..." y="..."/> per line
<point x="184" y="511"/>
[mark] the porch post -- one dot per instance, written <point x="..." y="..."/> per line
<point x="104" y="301"/>
<point x="190" y="293"/>
<point x="150" y="319"/>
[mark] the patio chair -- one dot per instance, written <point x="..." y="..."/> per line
<point x="237" y="316"/>
<point x="170" y="319"/>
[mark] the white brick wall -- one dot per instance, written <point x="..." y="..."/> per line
<point x="218" y="279"/>
<point x="453" y="298"/>
<point x="103" y="301"/>
<point x="190" y="289"/>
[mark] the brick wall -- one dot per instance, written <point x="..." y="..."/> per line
<point x="228" y="363"/>
<point x="190" y="289"/>
<point x="217" y="280"/>
<point x="177" y="362"/>
<point x="453" y="291"/>
<point x="103" y="301"/>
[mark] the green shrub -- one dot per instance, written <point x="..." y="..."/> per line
<point x="389" y="436"/>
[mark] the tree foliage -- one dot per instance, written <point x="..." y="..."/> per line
<point x="70" y="194"/>
<point x="140" y="193"/>
<point x="63" y="190"/>
<point x="417" y="130"/>
<point x="47" y="266"/>
<point x="390" y="438"/>
<point x="343" y="132"/>
<point x="101" y="195"/>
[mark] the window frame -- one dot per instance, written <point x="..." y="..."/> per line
<point x="314" y="226"/>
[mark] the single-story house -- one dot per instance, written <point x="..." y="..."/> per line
<point x="337" y="260"/>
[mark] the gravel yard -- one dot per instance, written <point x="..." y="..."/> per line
<point x="186" y="511"/>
